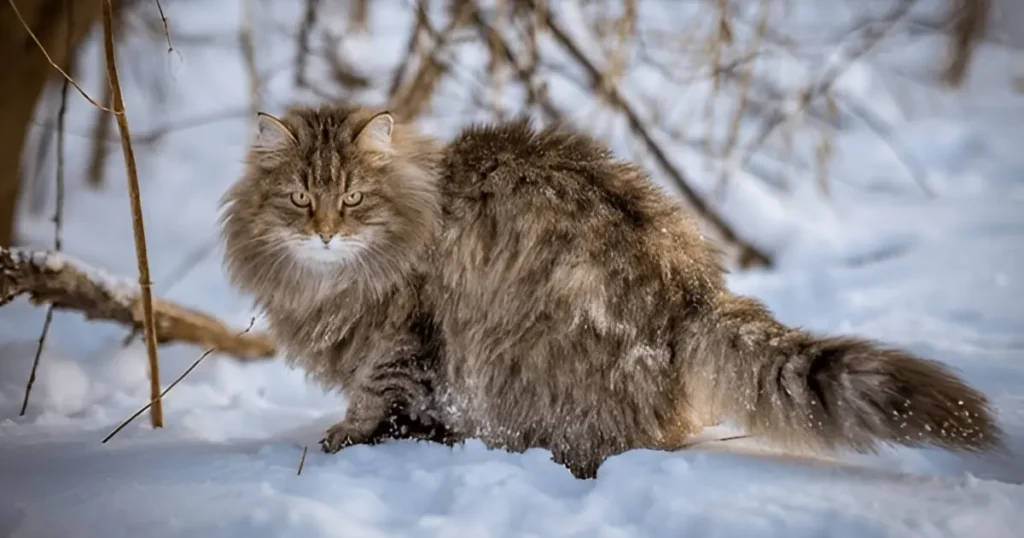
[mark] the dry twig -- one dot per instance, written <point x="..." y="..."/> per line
<point x="302" y="460"/>
<point x="745" y="79"/>
<point x="723" y="37"/>
<point x="58" y="212"/>
<point x="167" y="31"/>
<point x="309" y="16"/>
<point x="100" y="134"/>
<point x="49" y="60"/>
<point x="535" y="29"/>
<point x="156" y="400"/>
<point x="411" y="49"/>
<point x="495" y="61"/>
<point x="411" y="100"/>
<point x="874" y="31"/>
<point x="341" y="71"/>
<point x="359" y="15"/>
<point x="526" y="74"/>
<point x="970" y="17"/>
<point x="626" y="28"/>
<point x="248" y="47"/>
<point x="145" y="285"/>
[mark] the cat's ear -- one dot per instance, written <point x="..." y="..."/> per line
<point x="375" y="136"/>
<point x="272" y="134"/>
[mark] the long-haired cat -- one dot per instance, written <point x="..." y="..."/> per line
<point x="334" y="257"/>
<point x="526" y="288"/>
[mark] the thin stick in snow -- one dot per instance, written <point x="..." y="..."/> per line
<point x="157" y="399"/>
<point x="145" y="286"/>
<point x="302" y="460"/>
<point x="167" y="31"/>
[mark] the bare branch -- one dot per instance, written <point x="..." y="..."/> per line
<point x="49" y="60"/>
<point x="724" y="37"/>
<point x="359" y="15"/>
<point x="309" y="17"/>
<point x="410" y="101"/>
<point x="874" y="31"/>
<point x="745" y="81"/>
<point x="167" y="31"/>
<point x="970" y="18"/>
<point x="495" y="61"/>
<point x="750" y="255"/>
<point x="149" y="328"/>
<point x="525" y="73"/>
<point x="411" y="50"/>
<point x="100" y="135"/>
<point x="625" y="31"/>
<point x="885" y="132"/>
<point x="341" y="71"/>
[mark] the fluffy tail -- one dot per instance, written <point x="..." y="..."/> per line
<point x="793" y="388"/>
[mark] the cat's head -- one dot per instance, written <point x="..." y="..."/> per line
<point x="330" y="193"/>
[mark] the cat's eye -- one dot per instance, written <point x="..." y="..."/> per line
<point x="353" y="198"/>
<point x="300" y="199"/>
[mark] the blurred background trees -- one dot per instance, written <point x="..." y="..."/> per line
<point x="709" y="94"/>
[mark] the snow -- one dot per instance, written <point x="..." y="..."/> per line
<point x="121" y="290"/>
<point x="941" y="275"/>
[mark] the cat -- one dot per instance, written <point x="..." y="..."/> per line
<point x="334" y="258"/>
<point x="526" y="288"/>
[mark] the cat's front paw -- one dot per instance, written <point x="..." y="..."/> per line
<point x="338" y="437"/>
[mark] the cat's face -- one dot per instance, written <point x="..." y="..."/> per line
<point x="327" y="188"/>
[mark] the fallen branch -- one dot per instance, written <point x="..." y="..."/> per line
<point x="57" y="279"/>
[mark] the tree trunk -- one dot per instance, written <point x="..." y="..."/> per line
<point x="26" y="73"/>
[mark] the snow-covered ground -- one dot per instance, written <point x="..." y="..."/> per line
<point x="942" y="276"/>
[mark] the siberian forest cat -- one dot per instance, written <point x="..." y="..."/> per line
<point x="525" y="288"/>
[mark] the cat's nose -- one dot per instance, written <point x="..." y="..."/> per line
<point x="326" y="237"/>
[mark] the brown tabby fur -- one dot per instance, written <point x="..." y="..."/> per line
<point x="529" y="290"/>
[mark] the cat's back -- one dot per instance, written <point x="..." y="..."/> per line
<point x="558" y="192"/>
<point x="561" y="272"/>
